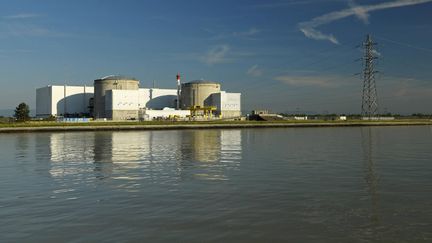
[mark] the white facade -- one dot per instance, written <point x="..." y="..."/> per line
<point x="160" y="98"/>
<point x="122" y="100"/>
<point x="227" y="104"/>
<point x="125" y="104"/>
<point x="58" y="100"/>
<point x="230" y="101"/>
<point x="143" y="98"/>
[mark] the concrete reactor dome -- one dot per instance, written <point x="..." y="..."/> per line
<point x="116" y="77"/>
<point x="197" y="93"/>
<point x="112" y="82"/>
<point x="200" y="82"/>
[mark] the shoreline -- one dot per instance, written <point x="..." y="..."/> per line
<point x="173" y="126"/>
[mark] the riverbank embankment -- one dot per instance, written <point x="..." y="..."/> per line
<point x="129" y="126"/>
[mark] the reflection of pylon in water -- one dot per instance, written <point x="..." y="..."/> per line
<point x="369" y="97"/>
<point x="371" y="176"/>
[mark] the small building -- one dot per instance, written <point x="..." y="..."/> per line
<point x="300" y="118"/>
<point x="260" y="112"/>
<point x="264" y="115"/>
<point x="164" y="114"/>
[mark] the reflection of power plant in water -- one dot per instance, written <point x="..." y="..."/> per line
<point x="213" y="145"/>
<point x="371" y="176"/>
<point x="212" y="153"/>
<point x="207" y="154"/>
<point x="206" y="145"/>
<point x="103" y="154"/>
<point x="127" y="154"/>
<point x="69" y="149"/>
<point x="231" y="146"/>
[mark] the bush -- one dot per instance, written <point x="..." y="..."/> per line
<point x="50" y="118"/>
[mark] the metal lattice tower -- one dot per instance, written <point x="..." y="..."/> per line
<point x="369" y="97"/>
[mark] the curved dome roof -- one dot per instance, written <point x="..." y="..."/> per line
<point x="116" y="77"/>
<point x="201" y="82"/>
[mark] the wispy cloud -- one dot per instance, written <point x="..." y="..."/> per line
<point x="22" y="30"/>
<point x="8" y="53"/>
<point x="252" y="31"/>
<point x="359" y="12"/>
<point x="29" y="30"/>
<point x="320" y="81"/>
<point x="16" y="26"/>
<point x="290" y="3"/>
<point x="15" y="51"/>
<point x="407" y="87"/>
<point x="217" y="54"/>
<point x="254" y="71"/>
<point x="220" y="35"/>
<point x="309" y="28"/>
<point x="23" y="16"/>
<point x="376" y="53"/>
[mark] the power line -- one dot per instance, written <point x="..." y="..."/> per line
<point x="405" y="44"/>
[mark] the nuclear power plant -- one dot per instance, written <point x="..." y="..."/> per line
<point x="117" y="97"/>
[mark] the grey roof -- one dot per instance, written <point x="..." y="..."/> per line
<point x="116" y="77"/>
<point x="201" y="82"/>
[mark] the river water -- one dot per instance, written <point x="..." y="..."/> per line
<point x="370" y="184"/>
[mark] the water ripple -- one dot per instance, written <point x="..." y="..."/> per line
<point x="251" y="185"/>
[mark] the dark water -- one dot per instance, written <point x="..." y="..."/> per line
<point x="263" y="185"/>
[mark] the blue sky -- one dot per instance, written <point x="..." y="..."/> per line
<point x="285" y="55"/>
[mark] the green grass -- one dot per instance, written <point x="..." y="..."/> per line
<point x="135" y="123"/>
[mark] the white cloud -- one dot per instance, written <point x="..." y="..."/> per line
<point x="314" y="34"/>
<point x="22" y="16"/>
<point x="254" y="71"/>
<point x="361" y="12"/>
<point x="217" y="54"/>
<point x="376" y="53"/>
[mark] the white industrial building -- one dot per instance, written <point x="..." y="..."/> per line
<point x="120" y="98"/>
<point x="57" y="100"/>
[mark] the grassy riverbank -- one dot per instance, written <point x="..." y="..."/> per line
<point x="157" y="125"/>
<point x="128" y="123"/>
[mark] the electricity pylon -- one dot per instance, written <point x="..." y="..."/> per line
<point x="369" y="97"/>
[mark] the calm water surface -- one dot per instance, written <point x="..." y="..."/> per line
<point x="253" y="185"/>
